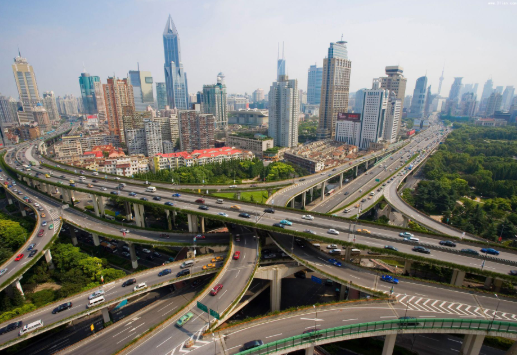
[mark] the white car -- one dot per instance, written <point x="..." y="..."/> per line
<point x="411" y="239"/>
<point x="333" y="231"/>
<point x="140" y="286"/>
<point x="124" y="230"/>
<point x="96" y="294"/>
<point x="308" y="216"/>
<point x="3" y="271"/>
<point x="117" y="178"/>
<point x="233" y="186"/>
<point x="147" y="251"/>
<point x="223" y="214"/>
<point x="331" y="246"/>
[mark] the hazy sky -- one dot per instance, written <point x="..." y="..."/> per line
<point x="474" y="39"/>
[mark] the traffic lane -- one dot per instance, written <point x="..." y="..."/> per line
<point x="169" y="338"/>
<point x="370" y="278"/>
<point x="112" y="291"/>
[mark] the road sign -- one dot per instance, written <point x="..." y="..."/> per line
<point x="117" y="213"/>
<point x="316" y="279"/>
<point x="214" y="314"/>
<point x="377" y="180"/>
<point x="202" y="307"/>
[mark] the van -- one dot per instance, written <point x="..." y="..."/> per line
<point x="219" y="201"/>
<point x="188" y="263"/>
<point x="111" y="218"/>
<point x="31" y="326"/>
<point x="355" y="252"/>
<point x="95" y="301"/>
<point x="82" y="178"/>
<point x="335" y="251"/>
<point x="151" y="189"/>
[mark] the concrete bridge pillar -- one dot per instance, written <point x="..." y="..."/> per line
<point x="366" y="165"/>
<point x="192" y="223"/>
<point x="405" y="221"/>
<point x="341" y="180"/>
<point x="137" y="215"/>
<point x="389" y="344"/>
<point x="18" y="285"/>
<point x="356" y="170"/>
<point x="48" y="259"/>
<point x="9" y="198"/>
<point x="310" y="349"/>
<point x="497" y="285"/>
<point x="238" y="194"/>
<point x="269" y="193"/>
<point x="73" y="236"/>
<point x="169" y="222"/>
<point x="488" y="283"/>
<point x="407" y="266"/>
<point x="343" y="293"/>
<point x="22" y="209"/>
<point x="202" y="224"/>
<point x="292" y="203"/>
<point x="96" y="241"/>
<point x="348" y="254"/>
<point x="323" y="184"/>
<point x="95" y="206"/>
<point x="127" y="210"/>
<point x="512" y="350"/>
<point x="132" y="251"/>
<point x="106" y="315"/>
<point x="457" y="277"/>
<point x="304" y="199"/>
<point x="276" y="290"/>
<point x="472" y="344"/>
<point x="100" y="202"/>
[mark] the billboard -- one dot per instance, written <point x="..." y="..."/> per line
<point x="349" y="116"/>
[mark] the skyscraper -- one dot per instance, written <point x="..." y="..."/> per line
<point x="214" y="102"/>
<point x="8" y="112"/>
<point x="487" y="89"/>
<point x="41" y="116"/>
<point x="87" y="85"/>
<point x="396" y="83"/>
<point x="314" y="85"/>
<point x="49" y="101"/>
<point x="493" y="103"/>
<point x="440" y="83"/>
<point x="335" y="86"/>
<point x="196" y="131"/>
<point x="454" y="94"/>
<point x="358" y="102"/>
<point x="142" y="83"/>
<point x="280" y="65"/>
<point x="393" y="116"/>
<point x="258" y="95"/>
<point x="373" y="116"/>
<point x="118" y="96"/>
<point x="27" y="88"/>
<point x="161" y="95"/>
<point x="99" y="101"/>
<point x="283" y="112"/>
<point x="175" y="76"/>
<point x="418" y="100"/>
<point x="507" y="97"/>
<point x="499" y="89"/>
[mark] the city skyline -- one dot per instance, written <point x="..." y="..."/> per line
<point x="58" y="64"/>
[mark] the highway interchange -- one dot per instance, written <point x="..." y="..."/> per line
<point x="171" y="339"/>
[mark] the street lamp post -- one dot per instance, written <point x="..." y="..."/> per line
<point x="315" y="317"/>
<point x="496" y="308"/>
<point x="407" y="305"/>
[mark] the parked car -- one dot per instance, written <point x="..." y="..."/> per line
<point x="331" y="246"/>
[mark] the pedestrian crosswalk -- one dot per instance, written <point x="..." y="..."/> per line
<point x="422" y="304"/>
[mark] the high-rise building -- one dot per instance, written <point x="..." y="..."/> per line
<point x="258" y="95"/>
<point x="135" y="141"/>
<point x="467" y="105"/>
<point x="428" y="100"/>
<point x="407" y="102"/>
<point x="161" y="95"/>
<point x="169" y="128"/>
<point x="373" y="116"/>
<point x="418" y="100"/>
<point x="196" y="131"/>
<point x="440" y="83"/>
<point x="395" y="82"/>
<point x="49" y="101"/>
<point x="454" y="94"/>
<point x="67" y="105"/>
<point x="348" y="128"/>
<point x="215" y="103"/>
<point x="393" y="116"/>
<point x="314" y="85"/>
<point x="41" y="116"/>
<point x="175" y="76"/>
<point x="493" y="103"/>
<point x="153" y="138"/>
<point x="507" y="97"/>
<point x="499" y="89"/>
<point x="99" y="101"/>
<point x="358" y="100"/>
<point x="280" y="66"/>
<point x="283" y="112"/>
<point x="8" y="112"/>
<point x="80" y="105"/>
<point x="142" y="83"/>
<point x="27" y="88"/>
<point x="335" y="86"/>
<point x="487" y="89"/>
<point x="118" y="96"/>
<point x="87" y="86"/>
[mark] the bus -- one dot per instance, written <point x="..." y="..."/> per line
<point x="26" y="167"/>
<point x="330" y="192"/>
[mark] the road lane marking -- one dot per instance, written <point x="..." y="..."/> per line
<point x="223" y="293"/>
<point x="273" y="335"/>
<point x="233" y="347"/>
<point x="388" y="317"/>
<point x="349" y="320"/>
<point x="313" y="319"/>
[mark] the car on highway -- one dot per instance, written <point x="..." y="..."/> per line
<point x="166" y="272"/>
<point x="411" y="239"/>
<point x="244" y="215"/>
<point x="176" y="195"/>
<point x="144" y="199"/>
<point x="104" y="188"/>
<point x="3" y="271"/>
<point x="279" y="225"/>
<point x="364" y="231"/>
<point x="447" y="243"/>
<point x="237" y="237"/>
<point x="223" y="214"/>
<point x="235" y="207"/>
<point x="128" y="282"/>
<point x="420" y="249"/>
<point x="133" y="194"/>
<point x="406" y="234"/>
<point x="19" y="257"/>
<point x="200" y="200"/>
<point x="512" y="272"/>
<point x="335" y="262"/>
<point x="184" y="319"/>
<point x="140" y="286"/>
<point x="209" y="266"/>
<point x="183" y="272"/>
<point x="408" y="321"/>
<point x="216" y="289"/>
<point x="96" y="294"/>
<point x="269" y="210"/>
<point x="331" y="246"/>
<point x="308" y="216"/>
<point x="490" y="251"/>
<point x="333" y="231"/>
<point x="62" y="307"/>
<point x="252" y="344"/>
<point x="157" y="198"/>
<point x="124" y="230"/>
<point x="469" y="251"/>
<point x="33" y="252"/>
<point x="147" y="251"/>
<point x="31" y="246"/>
<point x="286" y="222"/>
<point x="236" y="255"/>
<point x="89" y="185"/>
<point x="11" y="327"/>
<point x="309" y="231"/>
<point x="114" y="192"/>
<point x="390" y="247"/>
<point x="390" y="279"/>
<point x="168" y="203"/>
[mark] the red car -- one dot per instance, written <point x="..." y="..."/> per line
<point x="19" y="257"/>
<point x="200" y="236"/>
<point x="236" y="255"/>
<point x="41" y="232"/>
<point x="216" y="289"/>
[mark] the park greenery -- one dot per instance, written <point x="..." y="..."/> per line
<point x="74" y="271"/>
<point x="307" y="130"/>
<point x="472" y="181"/>
<point x="226" y="172"/>
<point x="14" y="231"/>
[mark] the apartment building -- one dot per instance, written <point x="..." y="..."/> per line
<point x="257" y="144"/>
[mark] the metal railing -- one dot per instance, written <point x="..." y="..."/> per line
<point x="396" y="325"/>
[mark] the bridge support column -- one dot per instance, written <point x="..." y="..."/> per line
<point x="356" y="170"/>
<point x="497" y="285"/>
<point x="139" y="215"/>
<point x="341" y="180"/>
<point x="405" y="221"/>
<point x="366" y="165"/>
<point x="9" y="198"/>
<point x="202" y="224"/>
<point x="73" y="236"/>
<point x="407" y="266"/>
<point x="276" y="290"/>
<point x="512" y="350"/>
<point x="106" y="315"/>
<point x="472" y="344"/>
<point x="48" y="259"/>
<point x="169" y="222"/>
<point x="95" y="206"/>
<point x="292" y="203"/>
<point x="132" y="251"/>
<point x="348" y="254"/>
<point x="488" y="283"/>
<point x="343" y="293"/>
<point x="304" y="199"/>
<point x="66" y="196"/>
<point x="127" y="210"/>
<point x="238" y="193"/>
<point x="457" y="277"/>
<point x="100" y="202"/>
<point x="389" y="344"/>
<point x="323" y="184"/>
<point x="18" y="285"/>
<point x="96" y="241"/>
<point x="22" y="209"/>
<point x="310" y="350"/>
<point x="192" y="223"/>
<point x="269" y="193"/>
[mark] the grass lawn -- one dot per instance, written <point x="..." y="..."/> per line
<point x="258" y="196"/>
<point x="394" y="262"/>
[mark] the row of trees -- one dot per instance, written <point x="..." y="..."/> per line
<point x="13" y="234"/>
<point x="473" y="162"/>
<point x="226" y="172"/>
